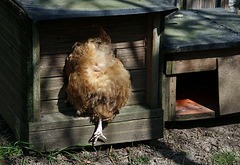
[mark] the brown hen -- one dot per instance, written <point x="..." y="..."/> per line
<point x="98" y="83"/>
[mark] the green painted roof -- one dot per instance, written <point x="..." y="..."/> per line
<point x="54" y="9"/>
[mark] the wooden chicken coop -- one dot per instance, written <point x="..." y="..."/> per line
<point x="36" y="36"/>
<point x="202" y="64"/>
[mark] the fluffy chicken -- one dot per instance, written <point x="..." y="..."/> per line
<point x="98" y="83"/>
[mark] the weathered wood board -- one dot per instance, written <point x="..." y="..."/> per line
<point x="59" y="130"/>
<point x="15" y="49"/>
<point x="229" y="84"/>
<point x="170" y="108"/>
<point x="153" y="60"/>
<point x="187" y="66"/>
<point x="198" y="4"/>
<point x="187" y="109"/>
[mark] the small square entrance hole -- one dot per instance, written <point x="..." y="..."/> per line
<point x="197" y="95"/>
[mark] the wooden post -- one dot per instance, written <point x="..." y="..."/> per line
<point x="170" y="108"/>
<point x="153" y="60"/>
<point x="164" y="84"/>
<point x="35" y="115"/>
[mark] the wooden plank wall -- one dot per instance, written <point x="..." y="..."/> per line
<point x="198" y="4"/>
<point x="57" y="37"/>
<point x="229" y="85"/>
<point x="15" y="38"/>
<point x="224" y="4"/>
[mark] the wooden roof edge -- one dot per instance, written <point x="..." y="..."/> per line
<point x="39" y="10"/>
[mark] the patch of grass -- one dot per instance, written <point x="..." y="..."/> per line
<point x="11" y="152"/>
<point x="141" y="160"/>
<point x="226" y="157"/>
<point x="184" y="153"/>
<point x="113" y="156"/>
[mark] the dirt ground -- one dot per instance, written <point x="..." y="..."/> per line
<point x="191" y="142"/>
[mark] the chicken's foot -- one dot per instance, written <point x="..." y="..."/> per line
<point x="98" y="133"/>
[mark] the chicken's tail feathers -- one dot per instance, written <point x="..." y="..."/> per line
<point x="104" y="36"/>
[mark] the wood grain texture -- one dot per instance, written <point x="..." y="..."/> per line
<point x="59" y="40"/>
<point x="199" y="4"/>
<point x="55" y="94"/>
<point x="133" y="123"/>
<point x="152" y="60"/>
<point x="36" y="74"/>
<point x="9" y="115"/>
<point x="61" y="120"/>
<point x="170" y="110"/>
<point x="188" y="66"/>
<point x="15" y="51"/>
<point x="58" y="105"/>
<point x="56" y="83"/>
<point x="229" y="84"/>
<point x="76" y="23"/>
<point x="13" y="65"/>
<point x="53" y="65"/>
<point x="136" y="130"/>
<point x="15" y="26"/>
<point x="132" y="58"/>
<point x="197" y="116"/>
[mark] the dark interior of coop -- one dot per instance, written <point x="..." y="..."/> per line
<point x="128" y="35"/>
<point x="197" y="92"/>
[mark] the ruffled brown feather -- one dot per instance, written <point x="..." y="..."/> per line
<point x="98" y="83"/>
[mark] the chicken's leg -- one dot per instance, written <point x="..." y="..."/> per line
<point x="98" y="133"/>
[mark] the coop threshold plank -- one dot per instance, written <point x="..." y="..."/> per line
<point x="60" y="120"/>
<point x="121" y="132"/>
<point x="187" y="109"/>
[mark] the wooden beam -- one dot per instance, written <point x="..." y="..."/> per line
<point x="170" y="107"/>
<point x="163" y="79"/>
<point x="128" y="131"/>
<point x="188" y="66"/>
<point x="152" y="60"/>
<point x="15" y="48"/>
<point x="133" y="123"/>
<point x="35" y="114"/>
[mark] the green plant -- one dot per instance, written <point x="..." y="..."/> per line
<point x="12" y="151"/>
<point x="129" y="155"/>
<point x="141" y="159"/>
<point x="226" y="157"/>
<point x="52" y="155"/>
<point x="184" y="153"/>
